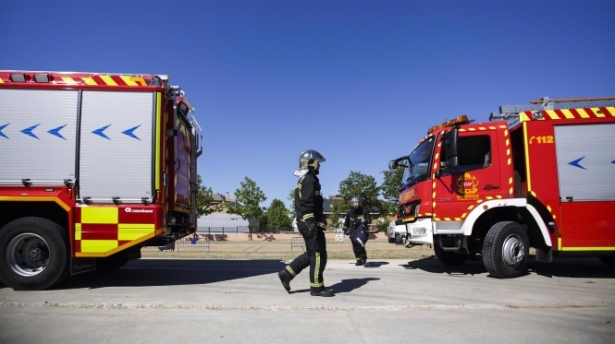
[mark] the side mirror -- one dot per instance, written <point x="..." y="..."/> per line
<point x="392" y="164"/>
<point x="450" y="140"/>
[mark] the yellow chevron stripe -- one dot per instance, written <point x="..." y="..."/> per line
<point x="128" y="80"/>
<point x="69" y="80"/>
<point x="107" y="79"/>
<point x="89" y="81"/>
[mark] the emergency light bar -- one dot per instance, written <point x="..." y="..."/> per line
<point x="463" y="119"/>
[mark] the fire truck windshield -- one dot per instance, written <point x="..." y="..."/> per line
<point x="418" y="163"/>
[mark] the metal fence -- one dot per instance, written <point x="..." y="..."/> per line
<point x="188" y="244"/>
<point x="242" y="229"/>
<point x="223" y="230"/>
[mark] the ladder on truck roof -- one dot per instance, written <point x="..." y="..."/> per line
<point x="511" y="112"/>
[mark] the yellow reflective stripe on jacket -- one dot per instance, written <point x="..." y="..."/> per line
<point x="321" y="225"/>
<point x="307" y="216"/>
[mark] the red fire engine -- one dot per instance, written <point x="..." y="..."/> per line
<point x="92" y="168"/>
<point x="537" y="175"/>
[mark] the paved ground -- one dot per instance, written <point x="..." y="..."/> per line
<point x="389" y="301"/>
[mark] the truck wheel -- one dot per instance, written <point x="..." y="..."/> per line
<point x="35" y="254"/>
<point x="391" y="239"/>
<point x="506" y="249"/>
<point x="449" y="258"/>
<point x="398" y="239"/>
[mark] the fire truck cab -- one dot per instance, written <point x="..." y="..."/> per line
<point x="93" y="167"/>
<point x="537" y="175"/>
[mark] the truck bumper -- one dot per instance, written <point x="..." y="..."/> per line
<point x="421" y="231"/>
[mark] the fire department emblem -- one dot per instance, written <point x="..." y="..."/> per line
<point x="467" y="184"/>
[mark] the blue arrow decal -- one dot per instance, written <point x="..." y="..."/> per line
<point x="2" y="127"/>
<point x="130" y="132"/>
<point x="56" y="132"/>
<point x="100" y="133"/>
<point x="28" y="131"/>
<point x="575" y="163"/>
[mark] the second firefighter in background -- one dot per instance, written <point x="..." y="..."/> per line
<point x="356" y="225"/>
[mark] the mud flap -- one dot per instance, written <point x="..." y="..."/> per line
<point x="80" y="265"/>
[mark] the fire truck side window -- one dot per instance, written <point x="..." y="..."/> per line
<point x="474" y="152"/>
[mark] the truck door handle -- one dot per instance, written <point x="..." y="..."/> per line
<point x="491" y="187"/>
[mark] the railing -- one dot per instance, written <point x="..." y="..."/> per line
<point x="192" y="243"/>
<point x="297" y="242"/>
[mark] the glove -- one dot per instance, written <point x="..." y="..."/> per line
<point x="312" y="230"/>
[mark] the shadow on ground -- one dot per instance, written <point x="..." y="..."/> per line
<point x="345" y="286"/>
<point x="559" y="267"/>
<point x="163" y="272"/>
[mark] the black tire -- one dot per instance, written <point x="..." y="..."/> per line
<point x="111" y="263"/>
<point x="391" y="239"/>
<point x="398" y="239"/>
<point x="35" y="254"/>
<point x="608" y="260"/>
<point x="449" y="258"/>
<point x="506" y="249"/>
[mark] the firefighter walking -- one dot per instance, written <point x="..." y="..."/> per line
<point x="356" y="225"/>
<point x="311" y="224"/>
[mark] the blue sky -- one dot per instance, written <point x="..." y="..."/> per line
<point x="359" y="81"/>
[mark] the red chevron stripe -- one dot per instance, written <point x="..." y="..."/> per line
<point x="575" y="113"/>
<point x="590" y="112"/>
<point x="606" y="111"/>
<point x="98" y="80"/>
<point x="559" y="113"/>
<point x="118" y="80"/>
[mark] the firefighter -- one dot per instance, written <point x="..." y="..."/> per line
<point x="311" y="224"/>
<point x="355" y="224"/>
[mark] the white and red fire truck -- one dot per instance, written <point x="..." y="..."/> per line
<point x="540" y="175"/>
<point x="92" y="168"/>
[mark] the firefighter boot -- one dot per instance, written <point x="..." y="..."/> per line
<point x="322" y="292"/>
<point x="285" y="278"/>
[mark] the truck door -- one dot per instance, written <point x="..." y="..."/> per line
<point x="477" y="176"/>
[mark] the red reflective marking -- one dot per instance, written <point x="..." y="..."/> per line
<point x="98" y="231"/>
<point x="98" y="80"/>
<point x="606" y="111"/>
<point x="118" y="80"/>
<point x="590" y="112"/>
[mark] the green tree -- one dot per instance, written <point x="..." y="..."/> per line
<point x="204" y="199"/>
<point x="360" y="185"/>
<point x="390" y="190"/>
<point x="277" y="215"/>
<point x="247" y="202"/>
<point x="291" y="198"/>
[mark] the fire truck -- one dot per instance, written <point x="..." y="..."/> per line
<point x="536" y="176"/>
<point x="93" y="167"/>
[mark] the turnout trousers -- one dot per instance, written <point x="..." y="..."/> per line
<point x="315" y="256"/>
<point x="358" y="238"/>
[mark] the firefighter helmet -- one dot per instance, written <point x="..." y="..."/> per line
<point x="309" y="158"/>
<point x="355" y="202"/>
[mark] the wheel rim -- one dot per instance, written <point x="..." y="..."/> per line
<point x="27" y="254"/>
<point x="513" y="250"/>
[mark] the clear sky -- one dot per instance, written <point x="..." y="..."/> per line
<point x="359" y="81"/>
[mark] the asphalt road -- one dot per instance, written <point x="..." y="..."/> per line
<point x="388" y="301"/>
